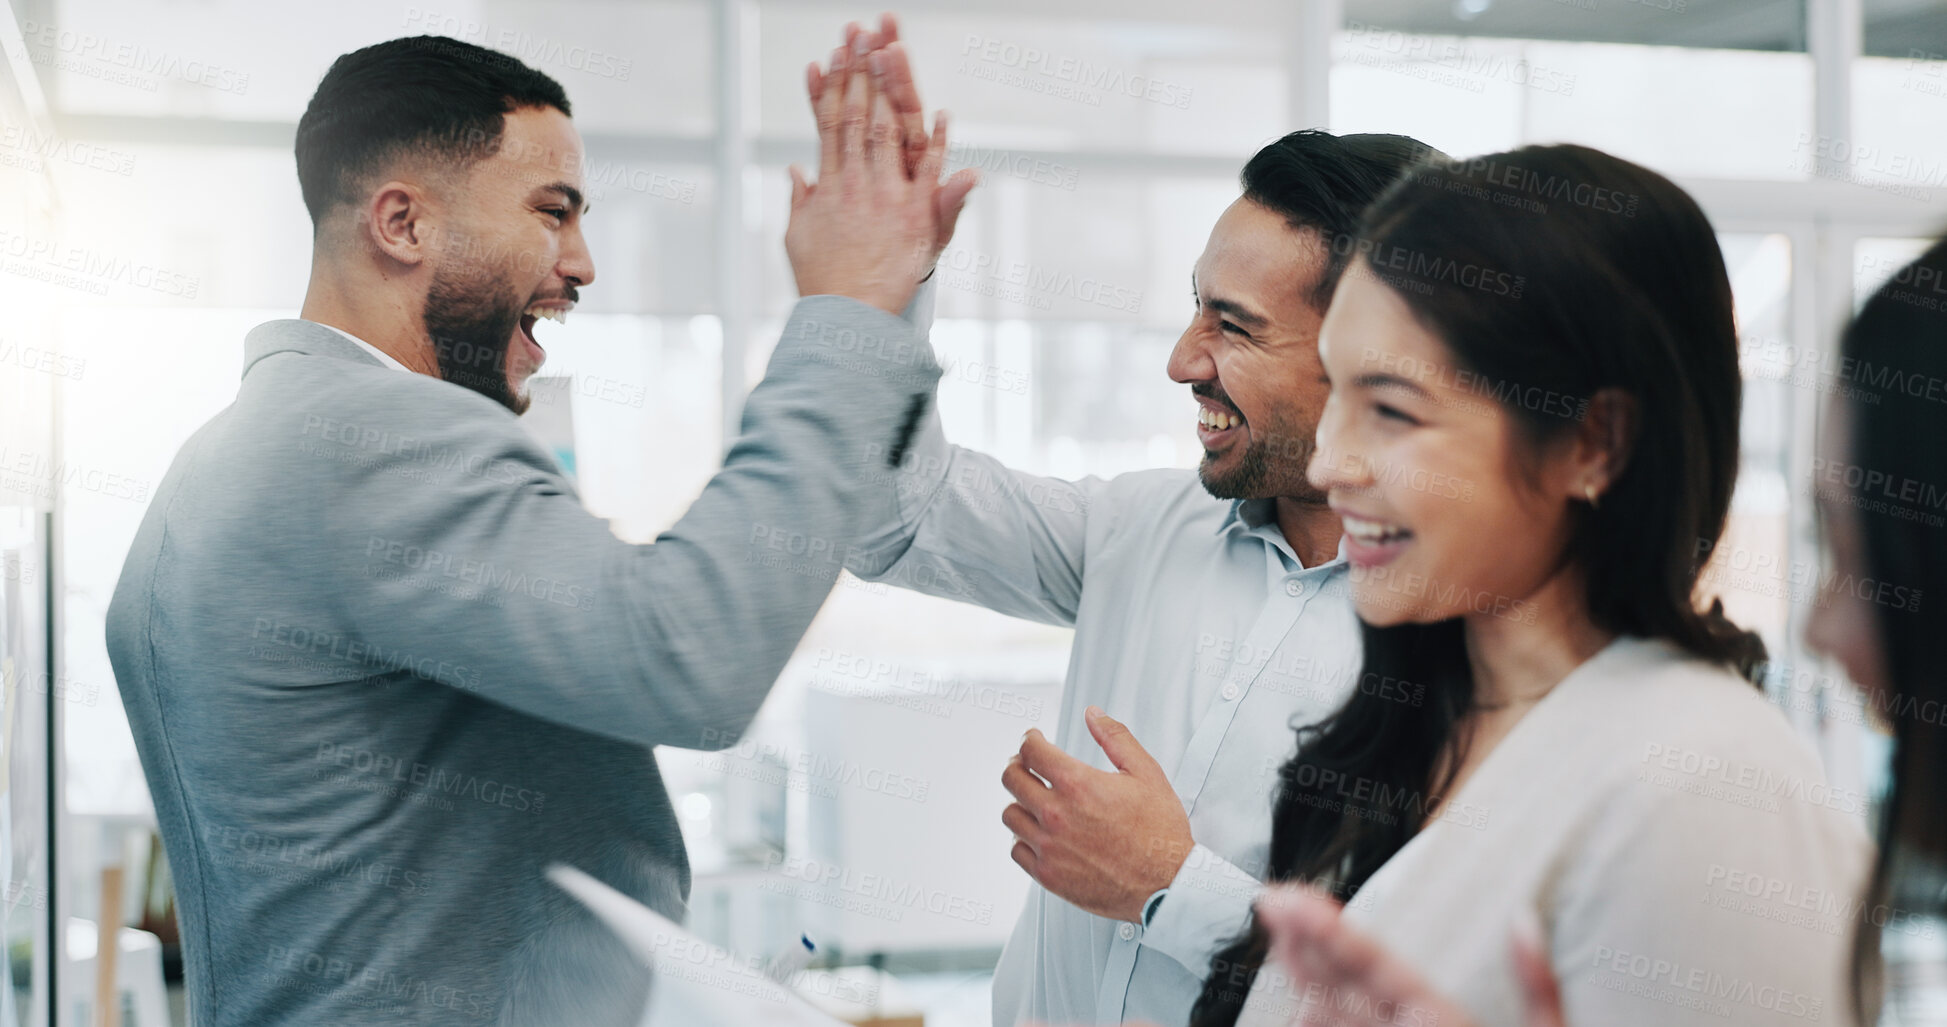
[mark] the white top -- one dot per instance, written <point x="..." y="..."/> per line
<point x="1688" y="861"/>
<point x="369" y="348"/>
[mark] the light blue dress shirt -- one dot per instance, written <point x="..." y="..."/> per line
<point x="1197" y="626"/>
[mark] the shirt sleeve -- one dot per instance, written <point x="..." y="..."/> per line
<point x="964" y="526"/>
<point x="1208" y="904"/>
<point x="466" y="546"/>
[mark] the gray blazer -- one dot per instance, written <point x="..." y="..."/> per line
<point x="383" y="668"/>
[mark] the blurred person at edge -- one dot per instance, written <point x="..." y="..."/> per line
<point x="381" y="666"/>
<point x="1880" y="485"/>
<point x="1591" y="770"/>
<point x="1211" y="608"/>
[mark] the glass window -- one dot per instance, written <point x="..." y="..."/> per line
<point x="1752" y="567"/>
<point x="635" y="67"/>
<point x="1897" y="148"/>
<point x="1900" y="28"/>
<point x="1710" y="24"/>
<point x="1058" y="82"/>
<point x="33" y="685"/>
<point x="1719" y="113"/>
<point x="651" y="228"/>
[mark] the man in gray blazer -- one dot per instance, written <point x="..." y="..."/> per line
<point x="381" y="666"/>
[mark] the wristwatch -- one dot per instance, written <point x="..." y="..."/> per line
<point x="1151" y="904"/>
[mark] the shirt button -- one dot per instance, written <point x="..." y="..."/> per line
<point x="1127" y="931"/>
<point x="1294" y="589"/>
<point x="1230" y="692"/>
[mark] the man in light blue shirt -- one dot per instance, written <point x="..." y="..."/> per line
<point x="1210" y="608"/>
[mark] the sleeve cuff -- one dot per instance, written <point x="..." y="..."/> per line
<point x="919" y="310"/>
<point x="1209" y="904"/>
<point x="849" y="335"/>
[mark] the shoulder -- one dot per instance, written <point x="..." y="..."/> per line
<point x="1164" y="496"/>
<point x="356" y="415"/>
<point x="301" y="385"/>
<point x="1687" y="762"/>
<point x="1648" y="704"/>
<point x="1708" y="843"/>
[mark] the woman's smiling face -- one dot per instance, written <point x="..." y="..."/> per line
<point x="1449" y="510"/>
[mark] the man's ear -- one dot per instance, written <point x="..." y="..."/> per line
<point x="1604" y="441"/>
<point x="397" y="218"/>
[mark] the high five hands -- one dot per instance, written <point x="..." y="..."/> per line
<point x="877" y="218"/>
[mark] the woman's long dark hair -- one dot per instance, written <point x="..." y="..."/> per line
<point x="1550" y="272"/>
<point x="1893" y="371"/>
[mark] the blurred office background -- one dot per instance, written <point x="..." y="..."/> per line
<point x="149" y="215"/>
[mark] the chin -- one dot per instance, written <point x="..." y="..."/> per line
<point x="1220" y="482"/>
<point x="1377" y="612"/>
<point x="1389" y="596"/>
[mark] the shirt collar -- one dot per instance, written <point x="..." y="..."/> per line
<point x="1259" y="517"/>
<point x="383" y="356"/>
<point x="1246" y="514"/>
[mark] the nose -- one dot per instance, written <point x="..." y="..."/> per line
<point x="576" y="263"/>
<point x="1190" y="362"/>
<point x="1335" y="463"/>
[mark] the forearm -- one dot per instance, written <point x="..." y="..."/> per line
<point x="672" y="643"/>
<point x="760" y="550"/>
<point x="970" y="528"/>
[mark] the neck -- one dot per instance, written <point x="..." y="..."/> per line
<point x="374" y="314"/>
<point x="1517" y="660"/>
<point x="1311" y="529"/>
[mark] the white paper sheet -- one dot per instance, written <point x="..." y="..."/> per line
<point x="697" y="984"/>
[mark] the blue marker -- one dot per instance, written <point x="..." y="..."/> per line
<point x="787" y="964"/>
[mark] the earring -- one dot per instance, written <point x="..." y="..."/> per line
<point x="1588" y="490"/>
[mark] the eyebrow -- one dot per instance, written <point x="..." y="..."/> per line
<point x="1390" y="381"/>
<point x="573" y="194"/>
<point x="1231" y="308"/>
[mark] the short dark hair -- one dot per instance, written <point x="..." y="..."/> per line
<point x="438" y="97"/>
<point x="1323" y="182"/>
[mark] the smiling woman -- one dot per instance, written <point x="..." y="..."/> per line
<point x="1568" y="370"/>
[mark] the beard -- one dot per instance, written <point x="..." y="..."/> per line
<point x="472" y="322"/>
<point x="1271" y="467"/>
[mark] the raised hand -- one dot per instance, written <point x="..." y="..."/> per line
<point x="892" y="74"/>
<point x="867" y="230"/>
<point x="886" y="60"/>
